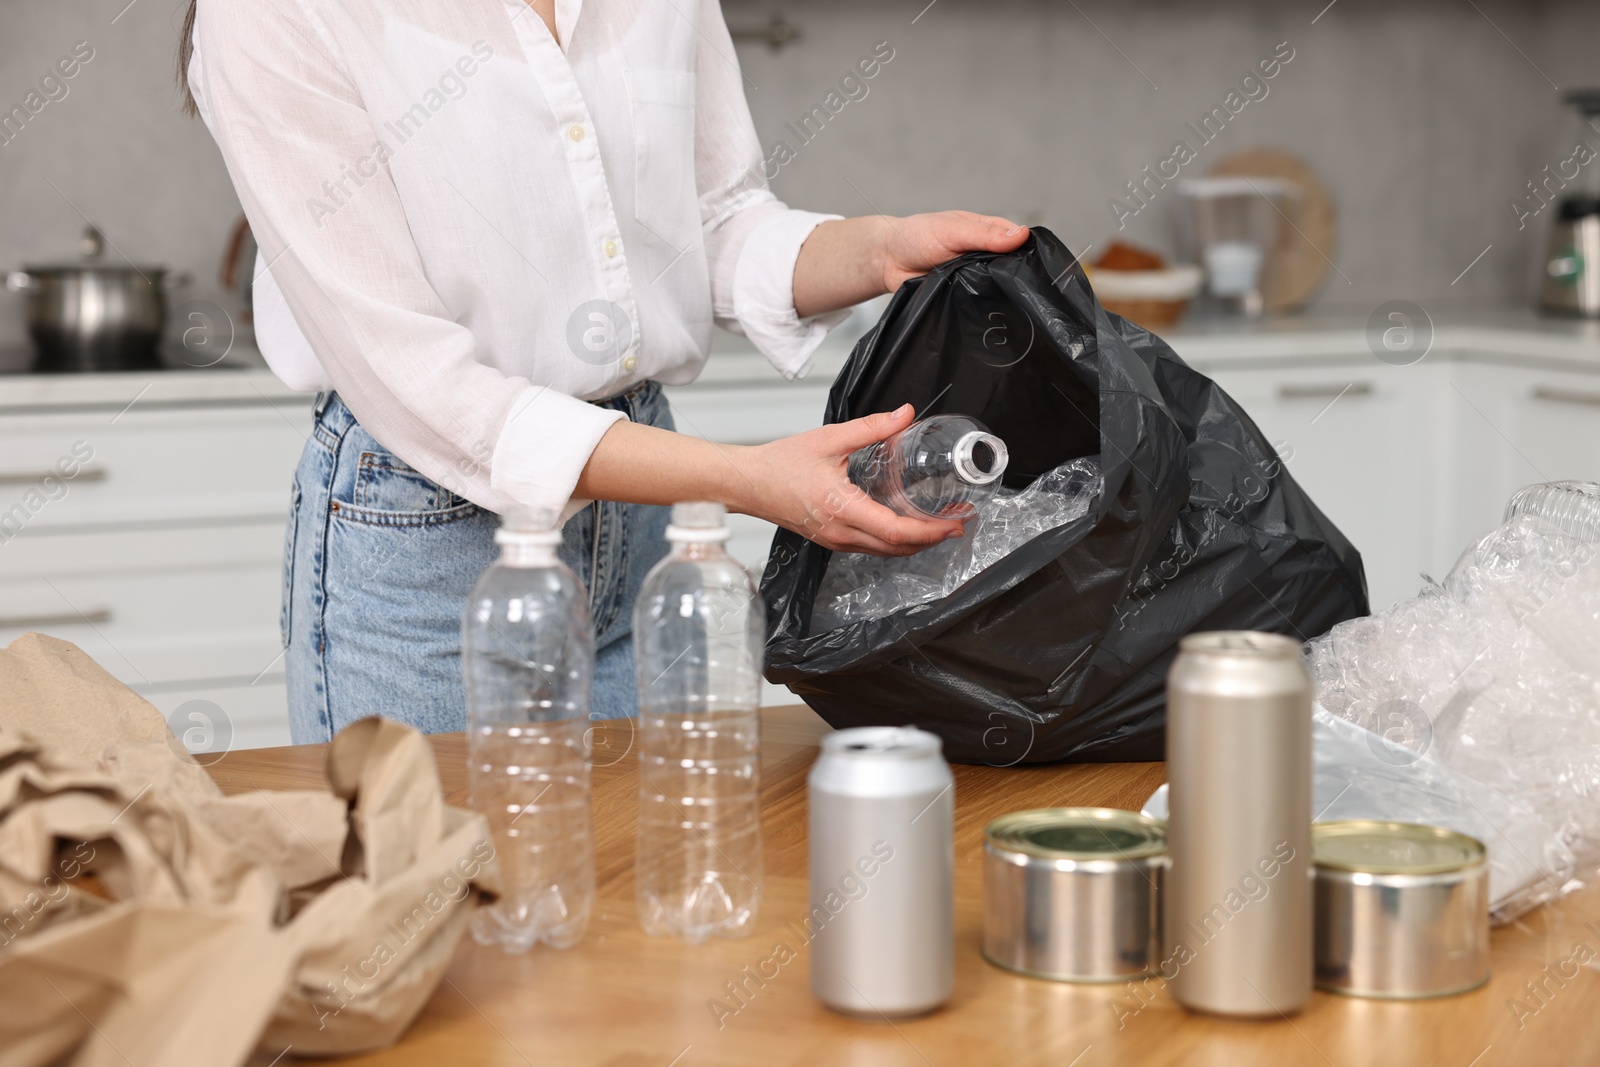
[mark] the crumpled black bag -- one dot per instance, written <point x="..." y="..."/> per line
<point x="1060" y="651"/>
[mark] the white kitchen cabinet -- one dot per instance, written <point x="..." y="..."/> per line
<point x="161" y="555"/>
<point x="1355" y="435"/>
<point x="1415" y="463"/>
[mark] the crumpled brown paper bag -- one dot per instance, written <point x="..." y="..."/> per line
<point x="317" y="921"/>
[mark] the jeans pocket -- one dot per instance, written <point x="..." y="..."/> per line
<point x="291" y="528"/>
<point x="387" y="491"/>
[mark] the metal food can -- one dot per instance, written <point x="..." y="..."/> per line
<point x="1402" y="910"/>
<point x="1074" y="893"/>
<point x="1237" y="907"/>
<point x="882" y="920"/>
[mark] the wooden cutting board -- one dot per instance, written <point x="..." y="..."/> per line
<point x="1308" y="246"/>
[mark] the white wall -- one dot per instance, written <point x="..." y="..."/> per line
<point x="1422" y="119"/>
<point x="115" y="147"/>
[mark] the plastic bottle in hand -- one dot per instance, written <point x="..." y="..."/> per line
<point x="527" y="655"/>
<point x="698" y="634"/>
<point x="941" y="467"/>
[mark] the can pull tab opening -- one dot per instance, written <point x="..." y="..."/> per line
<point x="894" y="741"/>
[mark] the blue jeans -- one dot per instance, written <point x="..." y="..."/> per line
<point x="378" y="563"/>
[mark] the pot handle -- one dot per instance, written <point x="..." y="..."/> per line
<point x="178" y="279"/>
<point x="18" y="281"/>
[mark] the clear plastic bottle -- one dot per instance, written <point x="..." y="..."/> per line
<point x="1571" y="508"/>
<point x="940" y="467"/>
<point x="698" y="636"/>
<point x="527" y="656"/>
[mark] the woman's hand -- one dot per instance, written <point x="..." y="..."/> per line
<point x="800" y="483"/>
<point x="914" y="245"/>
<point x="846" y="261"/>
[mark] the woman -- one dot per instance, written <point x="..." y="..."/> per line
<point x="488" y="230"/>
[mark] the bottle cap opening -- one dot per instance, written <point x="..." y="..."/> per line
<point x="980" y="458"/>
<point x="529" y="526"/>
<point x="698" y="520"/>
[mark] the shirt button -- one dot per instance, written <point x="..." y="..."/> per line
<point x="610" y="248"/>
<point x="630" y="363"/>
<point x="576" y="133"/>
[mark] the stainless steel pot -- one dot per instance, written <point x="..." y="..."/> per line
<point x="91" y="316"/>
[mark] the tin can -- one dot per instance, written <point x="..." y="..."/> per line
<point x="1402" y="910"/>
<point x="882" y="920"/>
<point x="1237" y="909"/>
<point x="1074" y="893"/>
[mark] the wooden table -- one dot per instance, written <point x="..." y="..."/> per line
<point x="622" y="999"/>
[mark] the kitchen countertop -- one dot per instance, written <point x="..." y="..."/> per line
<point x="1499" y="335"/>
<point x="622" y="998"/>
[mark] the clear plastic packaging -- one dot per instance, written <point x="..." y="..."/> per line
<point x="699" y="631"/>
<point x="858" y="586"/>
<point x="1480" y="698"/>
<point x="940" y="467"/>
<point x="527" y="657"/>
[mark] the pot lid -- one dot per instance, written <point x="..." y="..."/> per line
<point x="91" y="252"/>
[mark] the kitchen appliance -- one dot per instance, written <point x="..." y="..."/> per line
<point x="1236" y="913"/>
<point x="1570" y="278"/>
<point x="1402" y="910"/>
<point x="1233" y="226"/>
<point x="93" y="316"/>
<point x="882" y="918"/>
<point x="1074" y="893"/>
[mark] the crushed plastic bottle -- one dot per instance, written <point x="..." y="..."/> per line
<point x="527" y="657"/>
<point x="858" y="586"/>
<point x="1493" y="676"/>
<point x="940" y="467"/>
<point x="699" y="631"/>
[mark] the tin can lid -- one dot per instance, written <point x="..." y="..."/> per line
<point x="1371" y="846"/>
<point x="1249" y="643"/>
<point x="1079" y="833"/>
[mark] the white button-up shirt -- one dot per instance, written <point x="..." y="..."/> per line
<point x="469" y="228"/>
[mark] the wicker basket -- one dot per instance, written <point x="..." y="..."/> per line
<point x="1151" y="314"/>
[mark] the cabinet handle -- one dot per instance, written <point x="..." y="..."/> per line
<point x="87" y="474"/>
<point x="1323" y="392"/>
<point x="1566" y="396"/>
<point x="73" y="618"/>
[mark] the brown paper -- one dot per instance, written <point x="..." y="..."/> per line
<point x="321" y="920"/>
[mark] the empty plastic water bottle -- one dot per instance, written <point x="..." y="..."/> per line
<point x="941" y="467"/>
<point x="698" y="633"/>
<point x="527" y="654"/>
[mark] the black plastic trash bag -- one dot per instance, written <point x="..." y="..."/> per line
<point x="1060" y="651"/>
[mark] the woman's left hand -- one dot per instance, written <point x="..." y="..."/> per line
<point x="846" y="261"/>
<point x="914" y="245"/>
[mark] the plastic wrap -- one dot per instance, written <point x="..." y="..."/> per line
<point x="859" y="587"/>
<point x="1480" y="699"/>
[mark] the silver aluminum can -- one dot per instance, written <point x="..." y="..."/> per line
<point x="1237" y="914"/>
<point x="1074" y="894"/>
<point x="1402" y="910"/>
<point x="881" y="924"/>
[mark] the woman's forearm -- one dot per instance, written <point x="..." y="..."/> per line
<point x="648" y="465"/>
<point x="841" y="264"/>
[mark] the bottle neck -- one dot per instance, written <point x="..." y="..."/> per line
<point x="699" y="550"/>
<point x="523" y="554"/>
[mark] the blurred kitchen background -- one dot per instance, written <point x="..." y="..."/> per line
<point x="1423" y="122"/>
<point x="1424" y="118"/>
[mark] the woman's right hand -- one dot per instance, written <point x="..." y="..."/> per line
<point x="800" y="483"/>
